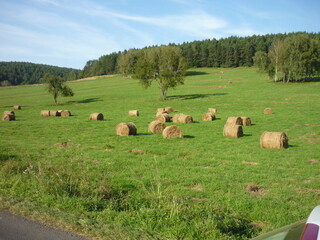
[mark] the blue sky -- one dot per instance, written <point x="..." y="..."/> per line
<point x="69" y="33"/>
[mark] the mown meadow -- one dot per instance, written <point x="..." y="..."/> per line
<point x="147" y="187"/>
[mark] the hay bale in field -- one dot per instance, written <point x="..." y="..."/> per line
<point x="126" y="129"/>
<point x="134" y="113"/>
<point x="8" y="117"/>
<point x="54" y="113"/>
<point x="234" y="120"/>
<point x="274" y="140"/>
<point x="232" y="130"/>
<point x="160" y="113"/>
<point x="267" y="111"/>
<point x="246" y="121"/>
<point x="45" y="113"/>
<point x="156" y="127"/>
<point x="17" y="107"/>
<point x="172" y="132"/>
<point x="164" y="117"/>
<point x="182" y="118"/>
<point x="169" y="109"/>
<point x="65" y="113"/>
<point x="8" y="112"/>
<point x="208" y="117"/>
<point x="96" y="116"/>
<point x="160" y="110"/>
<point x="212" y="110"/>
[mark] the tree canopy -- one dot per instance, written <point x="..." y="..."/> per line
<point x="56" y="86"/>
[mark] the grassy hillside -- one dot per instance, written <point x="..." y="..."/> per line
<point x="190" y="188"/>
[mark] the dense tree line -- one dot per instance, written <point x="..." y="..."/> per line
<point x="226" y="52"/>
<point x="15" y="73"/>
<point x="295" y="58"/>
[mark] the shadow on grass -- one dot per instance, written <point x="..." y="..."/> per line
<point x="88" y="100"/>
<point x="6" y="157"/>
<point x="315" y="79"/>
<point x="247" y="135"/>
<point x="292" y="146"/>
<point x="188" y="136"/>
<point x="195" y="73"/>
<point x="193" y="96"/>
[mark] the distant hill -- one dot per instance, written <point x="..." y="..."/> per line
<point x="16" y="73"/>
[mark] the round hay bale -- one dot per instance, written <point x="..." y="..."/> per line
<point x="134" y="113"/>
<point x="156" y="127"/>
<point x="8" y="112"/>
<point x="172" y="132"/>
<point x="246" y="121"/>
<point x="96" y="116"/>
<point x="182" y="118"/>
<point x="160" y="113"/>
<point x="169" y="109"/>
<point x="54" y="113"/>
<point x="16" y="107"/>
<point x="212" y="110"/>
<point x="234" y="120"/>
<point x="8" y="117"/>
<point x="164" y="117"/>
<point x="274" y="140"/>
<point x="160" y="110"/>
<point x="126" y="129"/>
<point x="267" y="111"/>
<point x="45" y="113"/>
<point x="208" y="117"/>
<point x="232" y="130"/>
<point x="65" y="113"/>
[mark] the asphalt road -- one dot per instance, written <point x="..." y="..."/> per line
<point x="14" y="227"/>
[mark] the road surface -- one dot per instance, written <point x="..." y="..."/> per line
<point x="13" y="227"/>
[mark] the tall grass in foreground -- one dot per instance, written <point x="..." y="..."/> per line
<point x="190" y="188"/>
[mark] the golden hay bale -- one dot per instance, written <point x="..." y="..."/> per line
<point x="126" y="129"/>
<point x="8" y="117"/>
<point x="232" y="130"/>
<point x="234" y="120"/>
<point x="160" y="110"/>
<point x="169" y="109"/>
<point x="65" y="113"/>
<point x="172" y="132"/>
<point x="208" y="117"/>
<point x="182" y="118"/>
<point x="212" y="110"/>
<point x="160" y="113"/>
<point x="246" y="121"/>
<point x="274" y="140"/>
<point x="134" y="113"/>
<point x="17" y="107"/>
<point x="45" y="113"/>
<point x="156" y="127"/>
<point x="267" y="111"/>
<point x="164" y="117"/>
<point x="8" y="112"/>
<point x="96" y="116"/>
<point x="54" y="113"/>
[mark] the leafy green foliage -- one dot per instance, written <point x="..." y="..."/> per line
<point x="16" y="73"/>
<point x="56" y="86"/>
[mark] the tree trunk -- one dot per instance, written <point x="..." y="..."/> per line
<point x="55" y="95"/>
<point x="164" y="94"/>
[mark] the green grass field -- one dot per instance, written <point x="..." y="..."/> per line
<point x="189" y="188"/>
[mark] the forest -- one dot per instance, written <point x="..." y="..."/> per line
<point x="225" y="52"/>
<point x="16" y="73"/>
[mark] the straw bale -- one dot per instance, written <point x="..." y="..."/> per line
<point x="126" y="129"/>
<point x="182" y="118"/>
<point x="160" y="110"/>
<point x="17" y="107"/>
<point x="274" y="140"/>
<point x="160" y="113"/>
<point x="65" y="113"/>
<point x="156" y="127"/>
<point x="172" y="132"/>
<point x="96" y="116"/>
<point x="246" y="121"/>
<point x="208" y="116"/>
<point x="267" y="111"/>
<point x="234" y="120"/>
<point x="212" y="110"/>
<point x="54" y="113"/>
<point x="45" y="113"/>
<point x="8" y="117"/>
<point x="8" y="112"/>
<point x="134" y="113"/>
<point x="169" y="109"/>
<point x="232" y="130"/>
<point x="164" y="117"/>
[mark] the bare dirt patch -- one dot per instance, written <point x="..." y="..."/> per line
<point x="250" y="163"/>
<point x="135" y="151"/>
